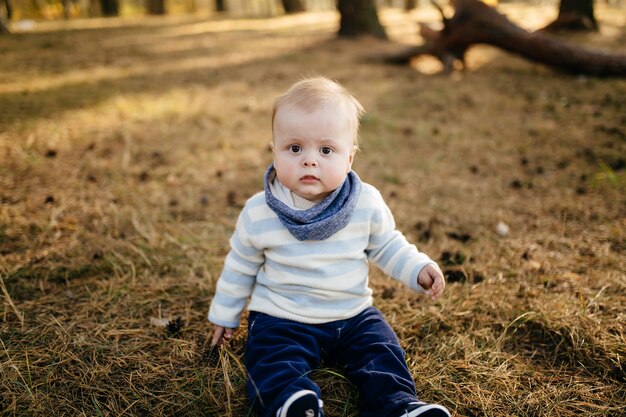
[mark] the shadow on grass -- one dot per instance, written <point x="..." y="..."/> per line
<point x="134" y="59"/>
<point x="573" y="348"/>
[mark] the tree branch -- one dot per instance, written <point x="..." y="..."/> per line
<point x="474" y="23"/>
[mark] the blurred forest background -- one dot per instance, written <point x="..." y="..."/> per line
<point x="46" y="9"/>
<point x="58" y="9"/>
<point x="129" y="143"/>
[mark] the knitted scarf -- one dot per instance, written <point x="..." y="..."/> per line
<point x="322" y="220"/>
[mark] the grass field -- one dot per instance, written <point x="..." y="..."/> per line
<point x="128" y="146"/>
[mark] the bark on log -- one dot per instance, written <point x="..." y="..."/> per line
<point x="476" y="23"/>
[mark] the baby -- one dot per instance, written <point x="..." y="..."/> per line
<point x="300" y="254"/>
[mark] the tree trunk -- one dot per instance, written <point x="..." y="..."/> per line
<point x="574" y="15"/>
<point x="8" y="8"/>
<point x="67" y="5"/>
<point x="3" y="29"/>
<point x="220" y="5"/>
<point x="359" y="17"/>
<point x="109" y="8"/>
<point x="155" y="7"/>
<point x="293" y="6"/>
<point x="474" y="23"/>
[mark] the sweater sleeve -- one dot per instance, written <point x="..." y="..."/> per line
<point x="391" y="252"/>
<point x="238" y="277"/>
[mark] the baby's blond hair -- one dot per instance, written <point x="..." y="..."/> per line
<point x="311" y="93"/>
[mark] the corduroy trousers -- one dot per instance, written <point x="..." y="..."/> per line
<point x="281" y="354"/>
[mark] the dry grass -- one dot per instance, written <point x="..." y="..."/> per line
<point x="128" y="146"/>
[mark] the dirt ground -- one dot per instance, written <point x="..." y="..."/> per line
<point x="128" y="146"/>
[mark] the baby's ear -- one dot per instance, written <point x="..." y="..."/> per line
<point x="272" y="145"/>
<point x="354" y="151"/>
<point x="350" y="161"/>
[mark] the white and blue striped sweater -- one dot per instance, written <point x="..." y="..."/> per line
<point x="311" y="281"/>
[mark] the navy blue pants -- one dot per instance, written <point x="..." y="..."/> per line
<point x="280" y="355"/>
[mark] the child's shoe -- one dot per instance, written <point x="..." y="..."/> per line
<point x="425" y="410"/>
<point x="301" y="404"/>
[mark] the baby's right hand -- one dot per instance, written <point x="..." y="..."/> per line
<point x="221" y="335"/>
<point x="432" y="280"/>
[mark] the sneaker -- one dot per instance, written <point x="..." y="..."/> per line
<point x="301" y="404"/>
<point x="425" y="410"/>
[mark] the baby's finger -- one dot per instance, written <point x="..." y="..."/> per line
<point x="438" y="284"/>
<point x="434" y="294"/>
<point x="437" y="289"/>
<point x="228" y="334"/>
<point x="217" y="335"/>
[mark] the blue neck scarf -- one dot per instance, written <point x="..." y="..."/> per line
<point x="322" y="220"/>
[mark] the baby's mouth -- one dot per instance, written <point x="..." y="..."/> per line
<point x="309" y="178"/>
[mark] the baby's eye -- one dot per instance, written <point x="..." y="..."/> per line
<point x="326" y="150"/>
<point x="295" y="148"/>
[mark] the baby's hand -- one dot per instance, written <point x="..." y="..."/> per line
<point x="431" y="279"/>
<point x="221" y="335"/>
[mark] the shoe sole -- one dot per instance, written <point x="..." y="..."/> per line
<point x="285" y="408"/>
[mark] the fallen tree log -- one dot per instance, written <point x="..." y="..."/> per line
<point x="475" y="22"/>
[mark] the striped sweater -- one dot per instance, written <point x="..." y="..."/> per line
<point x="311" y="281"/>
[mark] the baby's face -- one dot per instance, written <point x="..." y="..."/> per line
<point x="313" y="151"/>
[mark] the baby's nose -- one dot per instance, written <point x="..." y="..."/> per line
<point x="309" y="161"/>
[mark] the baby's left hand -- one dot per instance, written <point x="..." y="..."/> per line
<point x="431" y="279"/>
